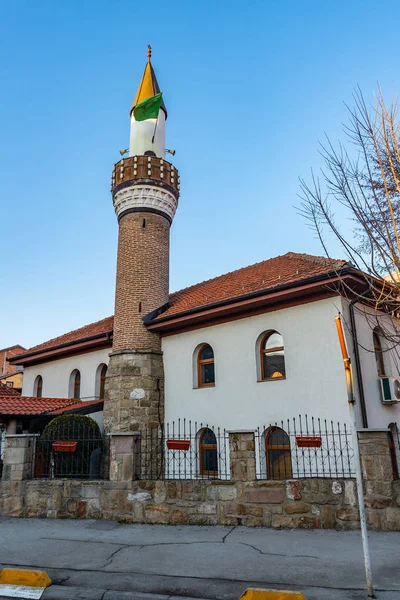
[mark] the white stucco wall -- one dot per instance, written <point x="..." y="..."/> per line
<point x="56" y="375"/>
<point x="314" y="383"/>
<point x="379" y="415"/>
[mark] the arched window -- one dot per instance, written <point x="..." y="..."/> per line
<point x="208" y="453"/>
<point x="75" y="384"/>
<point x="272" y="356"/>
<point x="102" y="381"/>
<point x="205" y="367"/>
<point x="380" y="363"/>
<point x="38" y="387"/>
<point x="277" y="453"/>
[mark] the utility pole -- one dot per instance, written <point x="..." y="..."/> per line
<point x="361" y="506"/>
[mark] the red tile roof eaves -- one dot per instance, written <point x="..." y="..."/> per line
<point x="262" y="276"/>
<point x="5" y="390"/>
<point x="32" y="406"/>
<point x="266" y="275"/>
<point x="77" y="335"/>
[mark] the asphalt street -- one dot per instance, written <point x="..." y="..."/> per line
<point x="104" y="560"/>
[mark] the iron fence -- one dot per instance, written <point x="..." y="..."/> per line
<point x="304" y="447"/>
<point x="183" y="450"/>
<point x="72" y="451"/>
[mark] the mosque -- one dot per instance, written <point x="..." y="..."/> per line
<point x="249" y="347"/>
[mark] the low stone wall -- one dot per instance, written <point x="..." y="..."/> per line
<point x="306" y="504"/>
<point x="297" y="503"/>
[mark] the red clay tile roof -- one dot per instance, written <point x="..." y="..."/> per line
<point x="265" y="275"/>
<point x="5" y="390"/>
<point x="31" y="406"/>
<point x="97" y="328"/>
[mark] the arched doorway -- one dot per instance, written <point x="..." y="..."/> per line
<point x="208" y="453"/>
<point x="278" y="454"/>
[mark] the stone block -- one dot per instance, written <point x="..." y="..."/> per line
<point x="267" y="517"/>
<point x="222" y="492"/>
<point x="347" y="514"/>
<point x="393" y="519"/>
<point x="378" y="502"/>
<point x="127" y="467"/>
<point x="93" y="509"/>
<point x="350" y="492"/>
<point x="13" y="506"/>
<point x="327" y="516"/>
<point x="293" y="508"/>
<point x="13" y="456"/>
<point x="308" y="523"/>
<point x="197" y="519"/>
<point x="160" y="492"/>
<point x="283" y="522"/>
<point x="157" y="513"/>
<point x="374" y="519"/>
<point x="142" y="496"/>
<point x="337" y="488"/>
<point x="293" y="490"/>
<point x="207" y="509"/>
<point x="72" y="508"/>
<point x="81" y="509"/>
<point x="179" y="517"/>
<point x="172" y="490"/>
<point x="265" y="496"/>
<point x="254" y="511"/>
<point x="253" y="522"/>
<point x="138" y="513"/>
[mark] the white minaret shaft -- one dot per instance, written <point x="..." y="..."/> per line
<point x="149" y="135"/>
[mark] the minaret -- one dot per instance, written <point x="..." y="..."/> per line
<point x="145" y="190"/>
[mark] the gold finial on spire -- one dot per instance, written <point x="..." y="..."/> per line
<point x="148" y="86"/>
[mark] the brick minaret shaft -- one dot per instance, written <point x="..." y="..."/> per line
<point x="145" y="189"/>
<point x="142" y="282"/>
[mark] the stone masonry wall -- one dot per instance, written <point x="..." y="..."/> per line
<point x="134" y="394"/>
<point x="304" y="504"/>
<point x="297" y="503"/>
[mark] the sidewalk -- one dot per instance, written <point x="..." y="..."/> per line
<point x="104" y="560"/>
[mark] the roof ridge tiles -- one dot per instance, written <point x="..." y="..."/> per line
<point x="194" y="285"/>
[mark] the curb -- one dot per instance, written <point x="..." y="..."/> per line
<point x="62" y="592"/>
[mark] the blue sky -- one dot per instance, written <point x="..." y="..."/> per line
<point x="250" y="88"/>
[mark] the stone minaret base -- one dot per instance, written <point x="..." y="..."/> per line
<point x="134" y="391"/>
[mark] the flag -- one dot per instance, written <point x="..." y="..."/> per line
<point x="148" y="109"/>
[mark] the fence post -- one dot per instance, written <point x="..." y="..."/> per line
<point x="124" y="455"/>
<point x="19" y="456"/>
<point x="377" y="471"/>
<point x="242" y="455"/>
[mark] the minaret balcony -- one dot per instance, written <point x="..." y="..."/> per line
<point x="145" y="169"/>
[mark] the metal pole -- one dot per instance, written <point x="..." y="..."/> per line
<point x="360" y="492"/>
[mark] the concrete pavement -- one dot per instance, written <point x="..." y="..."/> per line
<point x="104" y="560"/>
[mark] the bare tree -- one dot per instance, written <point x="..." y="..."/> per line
<point x="363" y="183"/>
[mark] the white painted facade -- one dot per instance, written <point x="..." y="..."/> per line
<point x="314" y="384"/>
<point x="379" y="415"/>
<point x="141" y="136"/>
<point x="56" y="375"/>
<point x="314" y="381"/>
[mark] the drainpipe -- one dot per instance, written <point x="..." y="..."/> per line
<point x="358" y="364"/>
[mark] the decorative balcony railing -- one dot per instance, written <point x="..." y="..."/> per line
<point x="145" y="169"/>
